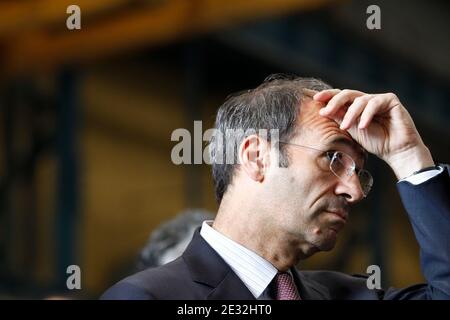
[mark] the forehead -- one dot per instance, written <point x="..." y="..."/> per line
<point x="315" y="130"/>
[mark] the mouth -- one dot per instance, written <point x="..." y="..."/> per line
<point x="340" y="223"/>
<point x="342" y="215"/>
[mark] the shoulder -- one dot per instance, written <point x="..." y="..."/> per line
<point x="343" y="286"/>
<point x="151" y="283"/>
<point x="326" y="276"/>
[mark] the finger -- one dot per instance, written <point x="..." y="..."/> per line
<point x="372" y="108"/>
<point x="378" y="104"/>
<point x="326" y="95"/>
<point x="338" y="116"/>
<point x="339" y="100"/>
<point x="354" y="111"/>
<point x="309" y="92"/>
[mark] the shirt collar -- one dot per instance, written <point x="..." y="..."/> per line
<point x="255" y="271"/>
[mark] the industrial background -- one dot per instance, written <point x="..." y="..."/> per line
<point x="86" y="118"/>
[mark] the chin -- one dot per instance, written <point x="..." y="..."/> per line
<point x="327" y="245"/>
<point x="318" y="246"/>
<point x="325" y="241"/>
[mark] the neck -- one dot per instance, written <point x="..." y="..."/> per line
<point x="247" y="228"/>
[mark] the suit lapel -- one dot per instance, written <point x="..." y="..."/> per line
<point x="310" y="289"/>
<point x="231" y="288"/>
<point x="207" y="267"/>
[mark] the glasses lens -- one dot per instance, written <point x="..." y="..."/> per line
<point x="342" y="165"/>
<point x="366" y="180"/>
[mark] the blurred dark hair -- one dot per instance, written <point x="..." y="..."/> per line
<point x="272" y="105"/>
<point x="169" y="240"/>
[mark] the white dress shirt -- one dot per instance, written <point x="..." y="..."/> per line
<point x="255" y="271"/>
<point x="419" y="178"/>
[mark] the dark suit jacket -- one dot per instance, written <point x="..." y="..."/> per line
<point x="200" y="273"/>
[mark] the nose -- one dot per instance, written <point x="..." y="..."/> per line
<point x="350" y="188"/>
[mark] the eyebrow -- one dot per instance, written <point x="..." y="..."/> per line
<point x="350" y="143"/>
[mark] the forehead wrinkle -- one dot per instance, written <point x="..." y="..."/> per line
<point x="314" y="127"/>
<point x="320" y="128"/>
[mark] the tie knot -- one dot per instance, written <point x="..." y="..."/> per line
<point x="284" y="287"/>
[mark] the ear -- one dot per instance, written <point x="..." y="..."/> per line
<point x="254" y="157"/>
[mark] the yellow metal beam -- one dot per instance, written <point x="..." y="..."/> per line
<point x="142" y="26"/>
<point x="29" y="15"/>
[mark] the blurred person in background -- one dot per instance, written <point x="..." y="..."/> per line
<point x="170" y="239"/>
<point x="285" y="198"/>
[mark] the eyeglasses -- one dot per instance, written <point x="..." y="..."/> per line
<point x="343" y="166"/>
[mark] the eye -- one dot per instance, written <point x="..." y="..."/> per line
<point x="330" y="154"/>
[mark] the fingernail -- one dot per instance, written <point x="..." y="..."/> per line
<point x="322" y="112"/>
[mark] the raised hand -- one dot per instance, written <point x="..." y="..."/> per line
<point x="381" y="125"/>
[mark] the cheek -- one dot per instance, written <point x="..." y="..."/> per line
<point x="298" y="194"/>
<point x="313" y="191"/>
<point x="286" y="191"/>
<point x="297" y="182"/>
<point x="300" y="184"/>
<point x="298" y="187"/>
<point x="307" y="183"/>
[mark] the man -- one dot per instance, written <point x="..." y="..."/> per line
<point x="285" y="198"/>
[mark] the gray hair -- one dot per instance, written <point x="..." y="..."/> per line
<point x="170" y="239"/>
<point x="273" y="105"/>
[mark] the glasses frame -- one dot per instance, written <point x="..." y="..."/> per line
<point x="349" y="173"/>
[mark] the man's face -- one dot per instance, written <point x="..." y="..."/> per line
<point x="311" y="203"/>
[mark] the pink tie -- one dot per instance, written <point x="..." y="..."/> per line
<point x="284" y="287"/>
